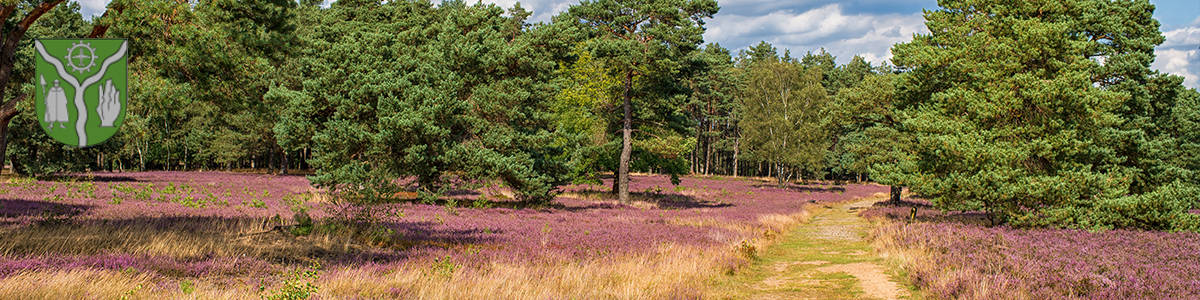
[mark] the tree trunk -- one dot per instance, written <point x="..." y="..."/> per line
<point x="616" y="185"/>
<point x="284" y="166"/>
<point x="778" y="173"/>
<point x="8" y="107"/>
<point x="895" y="196"/>
<point x="708" y="142"/>
<point x="707" y="156"/>
<point x="736" y="144"/>
<point x="626" y="140"/>
<point x="695" y="167"/>
<point x="4" y="141"/>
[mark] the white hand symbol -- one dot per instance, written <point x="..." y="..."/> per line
<point x="110" y="104"/>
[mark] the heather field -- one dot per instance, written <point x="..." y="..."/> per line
<point x="231" y="235"/>
<point x="954" y="255"/>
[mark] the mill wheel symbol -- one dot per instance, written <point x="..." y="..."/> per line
<point x="81" y="57"/>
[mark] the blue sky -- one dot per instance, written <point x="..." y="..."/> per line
<point x="865" y="27"/>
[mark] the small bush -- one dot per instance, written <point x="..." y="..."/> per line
<point x="297" y="285"/>
<point x="444" y="267"/>
<point x="452" y="207"/>
<point x="256" y="203"/>
<point x="187" y="287"/>
<point x="304" y="223"/>
<point x="747" y="250"/>
<point x="481" y="203"/>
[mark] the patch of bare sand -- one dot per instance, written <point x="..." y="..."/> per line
<point x="871" y="278"/>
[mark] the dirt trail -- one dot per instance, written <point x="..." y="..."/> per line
<point x="825" y="259"/>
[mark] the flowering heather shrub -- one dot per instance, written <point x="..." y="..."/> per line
<point x="953" y="260"/>
<point x="137" y="194"/>
<point x="192" y="224"/>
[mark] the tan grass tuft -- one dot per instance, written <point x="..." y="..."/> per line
<point x="671" y="271"/>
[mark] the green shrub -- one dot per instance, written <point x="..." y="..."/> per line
<point x="1166" y="208"/>
<point x="187" y="287"/>
<point x="256" y="203"/>
<point x="298" y="284"/>
<point x="444" y="267"/>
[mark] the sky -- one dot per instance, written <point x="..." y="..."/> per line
<point x="863" y="27"/>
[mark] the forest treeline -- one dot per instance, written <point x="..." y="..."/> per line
<point x="1041" y="113"/>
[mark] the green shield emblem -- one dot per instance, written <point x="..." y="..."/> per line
<point x="81" y="88"/>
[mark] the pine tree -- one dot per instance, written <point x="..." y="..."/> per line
<point x="448" y="96"/>
<point x="1032" y="110"/>
<point x="641" y="39"/>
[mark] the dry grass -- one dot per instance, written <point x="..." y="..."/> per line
<point x="672" y="272"/>
<point x="185" y="238"/>
<point x="95" y="284"/>
<point x="669" y="271"/>
<point x="910" y="259"/>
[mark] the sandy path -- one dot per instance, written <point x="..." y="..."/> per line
<point x="825" y="259"/>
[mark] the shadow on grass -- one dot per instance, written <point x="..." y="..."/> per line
<point x="106" y="177"/>
<point x="915" y="210"/>
<point x="802" y="188"/>
<point x="458" y="200"/>
<point x="661" y="200"/>
<point x="466" y="199"/>
<point x="190" y="238"/>
<point x="12" y="209"/>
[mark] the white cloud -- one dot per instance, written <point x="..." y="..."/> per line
<point x="1184" y="63"/>
<point x="829" y="26"/>
<point x="542" y="10"/>
<point x="92" y="8"/>
<point x="1182" y="37"/>
<point x="1180" y="54"/>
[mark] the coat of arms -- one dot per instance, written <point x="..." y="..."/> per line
<point x="81" y="88"/>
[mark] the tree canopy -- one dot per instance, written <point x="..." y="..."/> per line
<point x="1038" y="113"/>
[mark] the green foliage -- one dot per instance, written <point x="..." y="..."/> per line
<point x="195" y="70"/>
<point x="588" y="91"/>
<point x="1042" y="114"/>
<point x="645" y="44"/>
<point x="298" y="203"/>
<point x="782" y="125"/>
<point x="29" y="148"/>
<point x="444" y="267"/>
<point x="872" y="140"/>
<point x="1022" y="134"/>
<point x="298" y="284"/>
<point x="462" y="97"/>
<point x="187" y="287"/>
<point x="1166" y="208"/>
<point x="713" y="108"/>
<point x="257" y="203"/>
